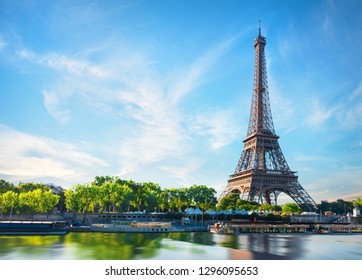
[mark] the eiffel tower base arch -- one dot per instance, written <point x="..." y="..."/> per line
<point x="259" y="186"/>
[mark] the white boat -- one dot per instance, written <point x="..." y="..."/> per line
<point x="136" y="227"/>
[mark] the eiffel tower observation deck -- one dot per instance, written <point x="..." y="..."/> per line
<point x="262" y="172"/>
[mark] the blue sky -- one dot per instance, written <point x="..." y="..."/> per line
<point x="160" y="91"/>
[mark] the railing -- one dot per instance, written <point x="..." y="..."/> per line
<point x="268" y="172"/>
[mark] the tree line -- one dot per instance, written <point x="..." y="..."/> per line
<point x="26" y="198"/>
<point x="107" y="194"/>
<point x="339" y="207"/>
<point x="104" y="194"/>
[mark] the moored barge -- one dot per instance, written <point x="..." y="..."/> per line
<point x="33" y="228"/>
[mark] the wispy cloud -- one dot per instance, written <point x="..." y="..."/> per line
<point x="326" y="18"/>
<point x="129" y="84"/>
<point x="24" y="156"/>
<point x="357" y="92"/>
<point x="282" y="108"/>
<point x="219" y="126"/>
<point x="349" y="114"/>
<point x="193" y="76"/>
<point x="303" y="157"/>
<point x="184" y="173"/>
<point x="319" y="114"/>
<point x="3" y="43"/>
<point x="162" y="129"/>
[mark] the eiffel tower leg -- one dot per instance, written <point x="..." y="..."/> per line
<point x="267" y="198"/>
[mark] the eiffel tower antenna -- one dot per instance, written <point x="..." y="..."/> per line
<point x="259" y="27"/>
<point x="262" y="172"/>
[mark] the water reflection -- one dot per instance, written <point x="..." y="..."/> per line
<point x="265" y="246"/>
<point x="200" y="245"/>
<point x="118" y="246"/>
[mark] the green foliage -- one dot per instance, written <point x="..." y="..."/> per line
<point x="228" y="202"/>
<point x="269" y="207"/>
<point x="39" y="200"/>
<point x="8" y="201"/>
<point x="27" y="187"/>
<point x="291" y="208"/>
<point x="339" y="206"/>
<point x="71" y="201"/>
<point x="232" y="201"/>
<point x="202" y="196"/>
<point x="164" y="199"/>
<point x="359" y="202"/>
<point x="5" y="186"/>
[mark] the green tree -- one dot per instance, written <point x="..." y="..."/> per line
<point x="339" y="206"/>
<point x="113" y="194"/>
<point x="27" y="187"/>
<point x="152" y="192"/>
<point x="163" y="199"/>
<point x="72" y="202"/>
<point x="203" y="196"/>
<point x="39" y="200"/>
<point x="125" y="196"/>
<point x="269" y="207"/>
<point x="5" y="186"/>
<point x="101" y="180"/>
<point x="291" y="208"/>
<point x="86" y="196"/>
<point x="232" y="201"/>
<point x="178" y="199"/>
<point x="8" y="201"/>
<point x="47" y="201"/>
<point x="359" y="202"/>
<point x="228" y="202"/>
<point x="247" y="205"/>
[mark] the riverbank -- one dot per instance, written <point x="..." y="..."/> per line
<point x="238" y="228"/>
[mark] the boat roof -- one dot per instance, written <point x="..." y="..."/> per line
<point x="30" y="222"/>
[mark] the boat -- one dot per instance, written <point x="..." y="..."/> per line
<point x="216" y="228"/>
<point x="153" y="227"/>
<point x="33" y="228"/>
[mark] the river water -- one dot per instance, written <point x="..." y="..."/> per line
<point x="183" y="246"/>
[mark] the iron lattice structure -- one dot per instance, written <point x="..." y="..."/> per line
<point x="262" y="172"/>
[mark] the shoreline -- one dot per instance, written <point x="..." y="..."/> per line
<point x="286" y="228"/>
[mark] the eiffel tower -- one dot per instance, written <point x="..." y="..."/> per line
<point x="262" y="172"/>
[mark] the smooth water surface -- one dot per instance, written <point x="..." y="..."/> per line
<point x="185" y="246"/>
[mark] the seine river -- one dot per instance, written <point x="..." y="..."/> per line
<point x="183" y="246"/>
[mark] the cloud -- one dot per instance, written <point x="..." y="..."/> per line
<point x="24" y="156"/>
<point x="149" y="124"/>
<point x="3" y="43"/>
<point x="162" y="130"/>
<point x="129" y="84"/>
<point x="73" y="67"/>
<point x="52" y="103"/>
<point x="337" y="184"/>
<point x="353" y="116"/>
<point x="183" y="173"/>
<point x="326" y="16"/>
<point x="282" y="108"/>
<point x="193" y="76"/>
<point x="351" y="196"/>
<point x="303" y="157"/>
<point x="319" y="114"/>
<point x="219" y="127"/>
<point x="357" y="92"/>
<point x="350" y="109"/>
